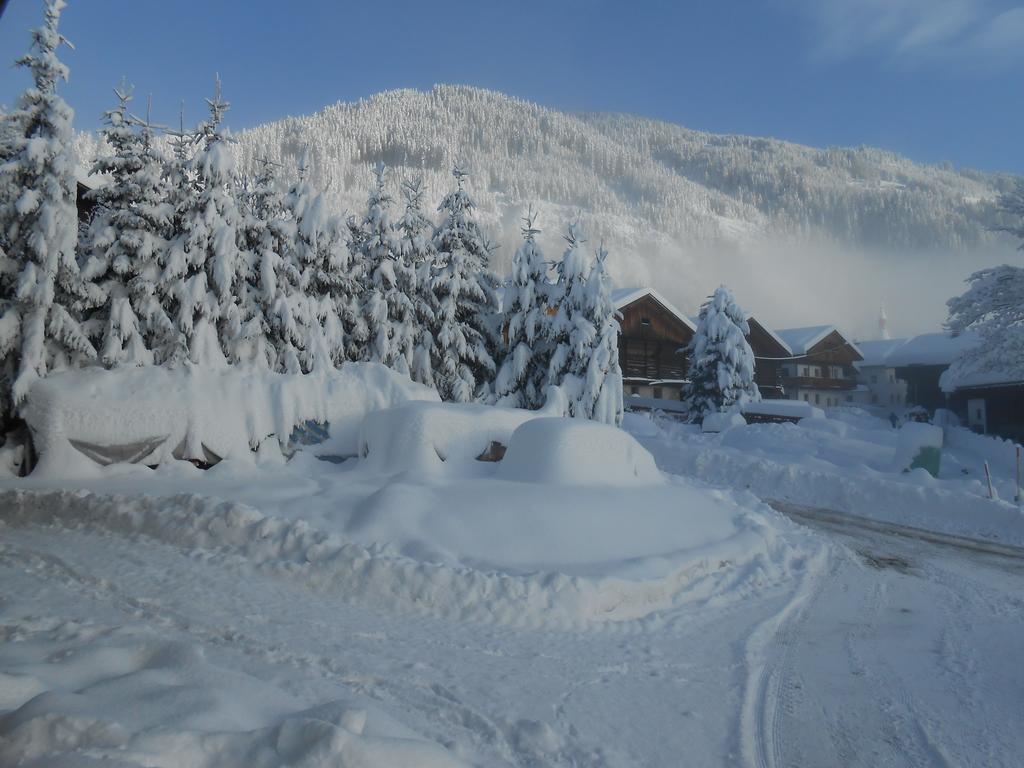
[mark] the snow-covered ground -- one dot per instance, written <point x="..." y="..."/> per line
<point x="569" y="605"/>
<point x="848" y="462"/>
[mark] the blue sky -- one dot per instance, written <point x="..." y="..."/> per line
<point x="937" y="80"/>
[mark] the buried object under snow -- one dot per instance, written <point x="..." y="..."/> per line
<point x="149" y="415"/>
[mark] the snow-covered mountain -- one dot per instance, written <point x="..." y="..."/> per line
<point x="804" y="235"/>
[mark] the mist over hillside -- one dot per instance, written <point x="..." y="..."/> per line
<point x="803" y="235"/>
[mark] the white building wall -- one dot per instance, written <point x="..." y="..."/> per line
<point x="884" y="389"/>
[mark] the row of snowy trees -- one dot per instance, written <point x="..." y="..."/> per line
<point x="186" y="260"/>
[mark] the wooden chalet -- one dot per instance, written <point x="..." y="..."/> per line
<point x="651" y="341"/>
<point x="770" y="352"/>
<point x="821" y="368"/>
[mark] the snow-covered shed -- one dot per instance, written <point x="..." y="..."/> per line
<point x="990" y="400"/>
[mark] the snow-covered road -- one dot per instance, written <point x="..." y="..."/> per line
<point x="889" y="652"/>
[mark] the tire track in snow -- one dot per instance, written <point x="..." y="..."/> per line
<point x="767" y="657"/>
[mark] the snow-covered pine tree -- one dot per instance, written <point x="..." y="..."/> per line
<point x="329" y="289"/>
<point x="601" y="399"/>
<point x="522" y="377"/>
<point x="208" y="310"/>
<point x="571" y="333"/>
<point x="125" y="244"/>
<point x="182" y="283"/>
<point x="467" y="302"/>
<point x="721" y="374"/>
<point x="993" y="306"/>
<point x="419" y="257"/>
<point x="386" y="310"/>
<point x="41" y="287"/>
<point x="277" y="331"/>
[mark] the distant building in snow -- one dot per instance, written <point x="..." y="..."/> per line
<point x="651" y="341"/>
<point x="989" y="401"/>
<point x="885" y="388"/>
<point x="821" y="369"/>
<point x="917" y="362"/>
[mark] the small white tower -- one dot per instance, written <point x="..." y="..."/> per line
<point x="883" y="324"/>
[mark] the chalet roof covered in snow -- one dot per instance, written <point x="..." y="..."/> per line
<point x="802" y="340"/>
<point x="875" y="351"/>
<point x="938" y="348"/>
<point x="775" y="336"/>
<point x="622" y="297"/>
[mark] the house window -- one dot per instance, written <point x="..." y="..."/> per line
<point x="806" y="398"/>
<point x="657" y="393"/>
<point x="634" y="390"/>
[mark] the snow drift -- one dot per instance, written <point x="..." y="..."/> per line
<point x="151" y="414"/>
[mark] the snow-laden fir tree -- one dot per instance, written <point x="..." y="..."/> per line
<point x="523" y="374"/>
<point x="40" y="284"/>
<point x="208" y="311"/>
<point x="387" y="310"/>
<point x="335" y="329"/>
<point x="278" y="331"/>
<point x="418" y="255"/>
<point x="467" y="302"/>
<point x="180" y="268"/>
<point x="993" y="307"/>
<point x="721" y="374"/>
<point x="571" y="332"/>
<point x="601" y="399"/>
<point x="126" y="247"/>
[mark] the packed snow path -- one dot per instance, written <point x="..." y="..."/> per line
<point x="890" y="652"/>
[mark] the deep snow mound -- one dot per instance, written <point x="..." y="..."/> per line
<point x="576" y="452"/>
<point x="150" y="414"/>
<point x="736" y="549"/>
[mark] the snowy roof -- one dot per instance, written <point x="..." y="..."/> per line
<point x="622" y="297"/>
<point x="940" y="348"/>
<point x="876" y="350"/>
<point x="778" y="339"/>
<point x="1012" y="374"/>
<point x="800" y="340"/>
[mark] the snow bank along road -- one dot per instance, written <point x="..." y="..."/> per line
<point x="122" y="649"/>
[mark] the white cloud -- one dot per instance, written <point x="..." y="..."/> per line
<point x="971" y="32"/>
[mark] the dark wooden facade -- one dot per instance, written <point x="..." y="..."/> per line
<point x="923" y="385"/>
<point x="769" y="355"/>
<point x="651" y="341"/>
<point x="833" y="351"/>
<point x="1000" y="408"/>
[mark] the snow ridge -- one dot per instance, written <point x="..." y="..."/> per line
<point x="752" y="559"/>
